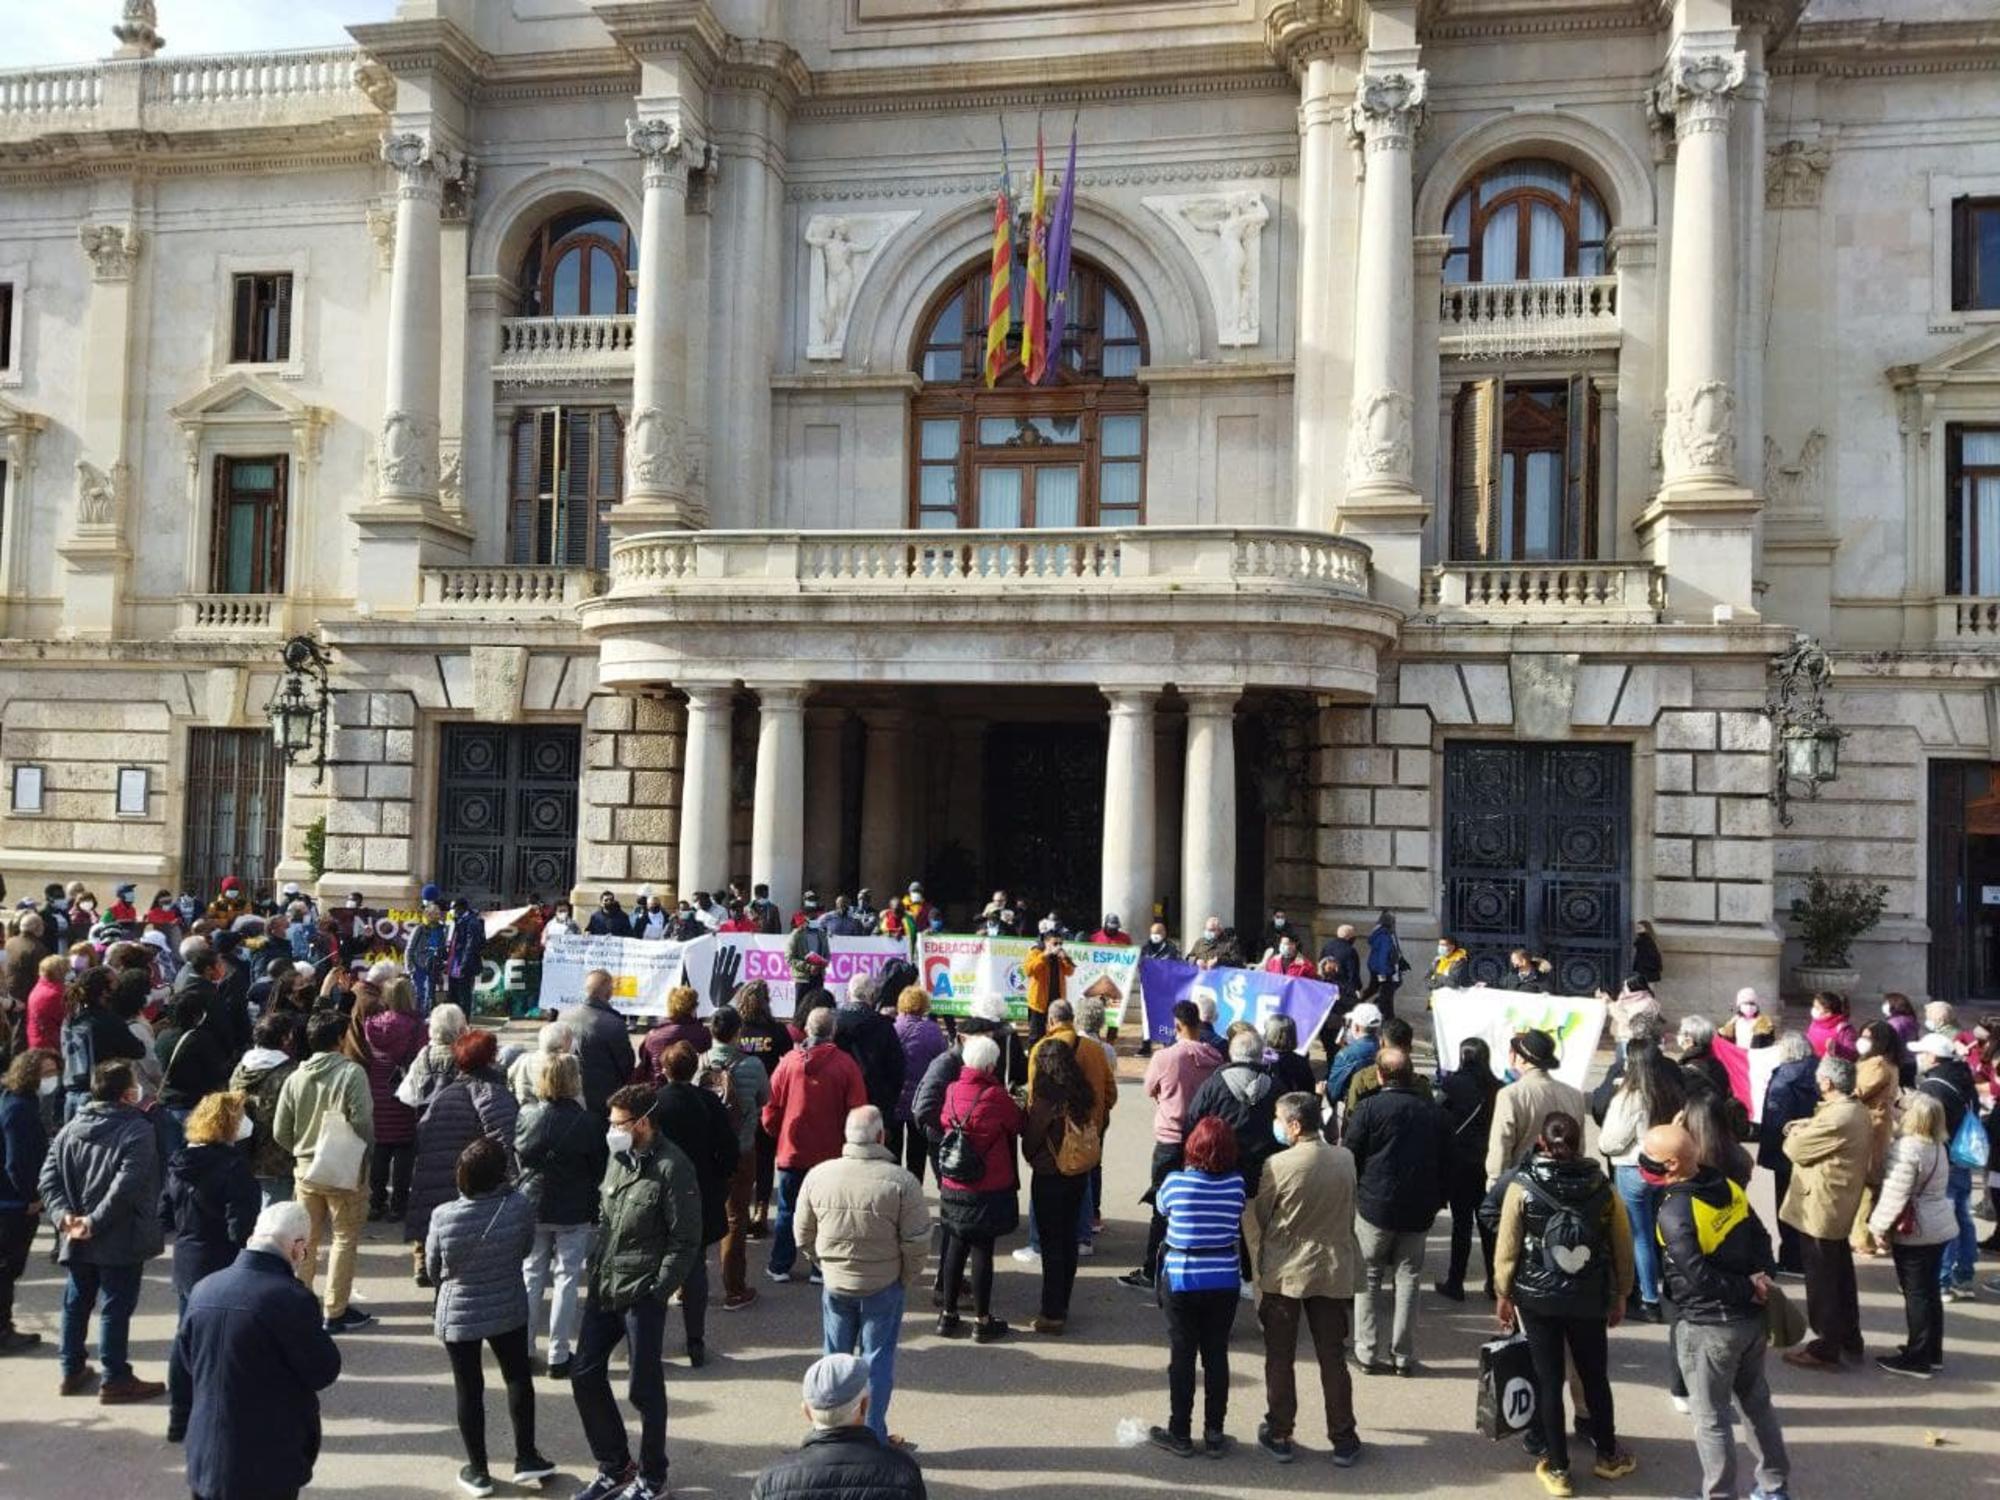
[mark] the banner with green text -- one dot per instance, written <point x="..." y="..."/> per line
<point x="955" y="968"/>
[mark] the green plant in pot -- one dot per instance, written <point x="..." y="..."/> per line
<point x="1829" y="917"/>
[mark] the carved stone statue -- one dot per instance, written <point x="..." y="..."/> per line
<point x="409" y="454"/>
<point x="843" y="247"/>
<point x="100" y="496"/>
<point x="1794" y="486"/>
<point x="113" y="249"/>
<point x="1224" y="232"/>
<point x="138" y="29"/>
<point x="1379" y="436"/>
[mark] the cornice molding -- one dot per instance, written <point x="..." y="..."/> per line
<point x="431" y="46"/>
<point x="666" y="28"/>
<point x="131" y="157"/>
<point x="1438" y="24"/>
<point x="1297" y="32"/>
<point x="1077" y="78"/>
<point x="1887" y="49"/>
<point x="957" y="185"/>
<point x="768" y="68"/>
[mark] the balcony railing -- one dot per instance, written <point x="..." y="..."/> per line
<point x="558" y="351"/>
<point x="1510" y="319"/>
<point x="1527" y="592"/>
<point x="233" y="614"/>
<point x="518" y="593"/>
<point x="212" y="92"/>
<point x="1972" y="619"/>
<point x="52" y="96"/>
<point x="1177" y="558"/>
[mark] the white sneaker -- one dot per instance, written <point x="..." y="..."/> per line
<point x="1681" y="1405"/>
<point x="1248" y="1290"/>
<point x="781" y="1277"/>
<point x="1086" y="1249"/>
<point x="1027" y="1257"/>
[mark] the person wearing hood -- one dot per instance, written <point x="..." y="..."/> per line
<point x="812" y="1090"/>
<point x="978" y="1208"/>
<point x="35" y="1076"/>
<point x="1243" y="1096"/>
<point x="1942" y="1075"/>
<point x="1791" y="1094"/>
<point x="100" y="1185"/>
<point x="328" y="1082"/>
<point x="1746" y="1025"/>
<point x="260" y="1076"/>
<point x="1563" y="1267"/>
<point x="211" y="1203"/>
<point x="1401" y="1143"/>
<point x="1716" y="1265"/>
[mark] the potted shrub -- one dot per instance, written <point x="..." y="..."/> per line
<point x="1829" y="917"/>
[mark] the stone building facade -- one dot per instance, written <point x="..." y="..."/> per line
<point x="1462" y="404"/>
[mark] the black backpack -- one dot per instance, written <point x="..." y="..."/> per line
<point x="1571" y="1243"/>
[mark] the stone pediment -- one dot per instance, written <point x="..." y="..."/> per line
<point x="242" y="395"/>
<point x="1973" y="361"/>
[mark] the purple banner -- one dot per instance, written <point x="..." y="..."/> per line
<point x="1240" y="995"/>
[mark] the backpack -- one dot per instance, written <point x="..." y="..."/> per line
<point x="1571" y="1245"/>
<point x="721" y="1082"/>
<point x="1081" y="1149"/>
<point x="958" y="1158"/>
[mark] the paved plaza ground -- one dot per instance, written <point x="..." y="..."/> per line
<point x="1029" y="1416"/>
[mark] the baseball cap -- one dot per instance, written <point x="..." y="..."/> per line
<point x="836" y="1381"/>
<point x="1367" y="1015"/>
<point x="1934" y="1046"/>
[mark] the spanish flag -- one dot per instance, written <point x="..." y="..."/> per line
<point x="1000" y="294"/>
<point x="1035" y="298"/>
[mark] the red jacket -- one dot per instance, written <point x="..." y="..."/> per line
<point x="1121" y="937"/>
<point x="1299" y="968"/>
<point x="993" y="1120"/>
<point x="45" y="1015"/>
<point x="811" y="1093"/>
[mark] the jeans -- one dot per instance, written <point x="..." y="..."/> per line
<point x="563" y="1250"/>
<point x="785" y="1203"/>
<point x="1923" y="1300"/>
<point x="173" y="1130"/>
<point x="736" y="1233"/>
<point x="867" y="1326"/>
<point x="1465" y="1191"/>
<point x="1385" y="1253"/>
<point x="468" y="1379"/>
<point x="119" y="1286"/>
<point x="1038" y="1025"/>
<point x="341" y="1216"/>
<point x="389" y="1169"/>
<point x="1641" y="1211"/>
<point x="1062" y="1203"/>
<point x="1961" y="1253"/>
<point x="274" y="1190"/>
<point x="643" y="1328"/>
<point x="694" y="1301"/>
<point x="1167" y="1157"/>
<point x="1724" y="1362"/>
<point x="1588" y="1344"/>
<point x="1833" y="1305"/>
<point x="17" y="1233"/>
<point x="1327" y="1318"/>
<point x="1198" y="1323"/>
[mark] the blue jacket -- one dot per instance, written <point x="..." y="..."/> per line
<point x="1349" y="1060"/>
<point x="258" y="1355"/>
<point x="23" y="1144"/>
<point x="1383" y="951"/>
<point x="210" y="1202"/>
<point x="468" y="938"/>
<point x="1792" y="1094"/>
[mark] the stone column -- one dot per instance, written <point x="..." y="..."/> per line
<point x="1383" y="505"/>
<point x="883" y="799"/>
<point x="824" y="846"/>
<point x="778" y="818"/>
<point x="704" y="851"/>
<point x="1701" y="525"/>
<point x="1314" y="455"/>
<point x="1208" y="811"/>
<point x="96" y="555"/>
<point x="407" y="466"/>
<point x="1127" y="883"/>
<point x="659" y="466"/>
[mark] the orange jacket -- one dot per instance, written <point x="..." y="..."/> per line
<point x="1045" y="977"/>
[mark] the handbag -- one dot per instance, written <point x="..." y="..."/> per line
<point x="338" y="1156"/>
<point x="1784" y="1324"/>
<point x="958" y="1158"/>
<point x="1507" y="1396"/>
<point x="1081" y="1149"/>
<point x="1970" y="1149"/>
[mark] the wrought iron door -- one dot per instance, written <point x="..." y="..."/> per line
<point x="1538" y="855"/>
<point x="234" y="822"/>
<point x="507" y="812"/>
<point x="1045" y="818"/>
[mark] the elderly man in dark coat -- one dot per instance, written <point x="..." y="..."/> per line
<point x="259" y="1355"/>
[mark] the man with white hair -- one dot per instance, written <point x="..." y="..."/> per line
<point x="812" y="1089"/>
<point x="861" y="1217"/>
<point x="841" y="1457"/>
<point x="603" y="1046"/>
<point x="258" y="1356"/>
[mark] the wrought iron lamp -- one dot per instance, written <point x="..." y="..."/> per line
<point x="1807" y="741"/>
<point x="298" y="709"/>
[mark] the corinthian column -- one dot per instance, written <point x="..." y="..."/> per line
<point x="1315" y="455"/>
<point x="659" y="465"/>
<point x="408" y="461"/>
<point x="1127" y="885"/>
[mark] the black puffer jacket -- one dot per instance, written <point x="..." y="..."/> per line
<point x="1243" y="1096"/>
<point x="842" y="1463"/>
<point x="1548" y="1289"/>
<point x="1711" y="1287"/>
<point x="869" y="1037"/>
<point x="472" y="1105"/>
<point x="1400" y="1146"/>
<point x="563" y="1151"/>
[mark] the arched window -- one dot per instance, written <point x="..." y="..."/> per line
<point x="1068" y="452"/>
<point x="579" y="264"/>
<point x="1526" y="220"/>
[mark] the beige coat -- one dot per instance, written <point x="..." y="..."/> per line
<point x="1829" y="1154"/>
<point x="1518" y="1112"/>
<point x="862" y="1218"/>
<point x="1301" y="1223"/>
<point x="1877" y="1087"/>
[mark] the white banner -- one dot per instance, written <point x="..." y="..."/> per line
<point x="717" y="965"/>
<point x="1575" y="1021"/>
<point x="956" y="968"/>
<point x="641" y="971"/>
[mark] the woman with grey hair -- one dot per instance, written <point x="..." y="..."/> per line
<point x="524" y="1074"/>
<point x="1289" y="1070"/>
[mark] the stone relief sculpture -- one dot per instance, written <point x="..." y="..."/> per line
<point x="409" y="454"/>
<point x="100" y="497"/>
<point x="1378" y="435"/>
<point x="844" y="246"/>
<point x="1794" y="174"/>
<point x="657" y="457"/>
<point x="1224" y="232"/>
<point x="451" y="484"/>
<point x="1701" y="429"/>
<point x="1794" y="486"/>
<point x="113" y="249"/>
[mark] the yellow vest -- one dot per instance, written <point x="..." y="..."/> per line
<point x="1711" y="1224"/>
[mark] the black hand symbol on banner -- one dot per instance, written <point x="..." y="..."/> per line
<point x="722" y="978"/>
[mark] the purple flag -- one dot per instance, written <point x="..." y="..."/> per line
<point x="1057" y="257"/>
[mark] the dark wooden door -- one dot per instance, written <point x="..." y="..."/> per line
<point x="507" y="812"/>
<point x="1045" y="818"/>
<point x="234" y="823"/>
<point x="1538" y="855"/>
<point x="1962" y="880"/>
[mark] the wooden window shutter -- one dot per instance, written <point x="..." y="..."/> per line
<point x="1954" y="511"/>
<point x="283" y="351"/>
<point x="218" y="525"/>
<point x="604" y="493"/>
<point x="1475" y="471"/>
<point x="1961" y="253"/>
<point x="274" y="530"/>
<point x="243" y="340"/>
<point x="521" y="496"/>
<point x="1579" y="525"/>
<point x="574" y="507"/>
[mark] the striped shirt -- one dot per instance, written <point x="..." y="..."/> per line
<point x="1204" y="1216"/>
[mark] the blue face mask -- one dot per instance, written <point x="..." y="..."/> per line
<point x="1278" y="1133"/>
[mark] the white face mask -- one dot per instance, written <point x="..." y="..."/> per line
<point x="618" y="1139"/>
<point x="1864" y="1046"/>
<point x="1885" y="1008"/>
<point x="1211" y="933"/>
<point x="245" y="1128"/>
<point x="49" y="1085"/>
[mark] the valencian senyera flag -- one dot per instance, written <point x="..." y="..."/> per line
<point x="1035" y="295"/>
<point x="1000" y="291"/>
<point x="1057" y="256"/>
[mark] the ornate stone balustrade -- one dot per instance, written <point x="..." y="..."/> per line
<point x="1517" y="318"/>
<point x="54" y="98"/>
<point x="1534" y="592"/>
<point x="329" y="73"/>
<point x="1190" y="558"/>
<point x="509" y="593"/>
<point x="1970" y="620"/>
<point x="558" y="351"/>
<point x="233" y="614"/>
